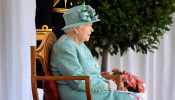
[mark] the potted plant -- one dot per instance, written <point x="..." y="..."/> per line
<point x="129" y="82"/>
<point x="135" y="24"/>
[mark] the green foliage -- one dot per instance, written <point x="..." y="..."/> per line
<point x="136" y="24"/>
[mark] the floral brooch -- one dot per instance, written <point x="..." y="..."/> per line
<point x="88" y="14"/>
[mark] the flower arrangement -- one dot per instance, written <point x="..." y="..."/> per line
<point x="129" y="82"/>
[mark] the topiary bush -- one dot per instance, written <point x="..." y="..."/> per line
<point x="135" y="24"/>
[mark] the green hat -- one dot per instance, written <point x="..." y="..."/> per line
<point x="79" y="15"/>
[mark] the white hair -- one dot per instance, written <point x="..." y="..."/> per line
<point x="71" y="30"/>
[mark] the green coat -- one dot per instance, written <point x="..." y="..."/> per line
<point x="71" y="59"/>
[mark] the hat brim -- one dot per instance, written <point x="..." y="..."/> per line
<point x="78" y="24"/>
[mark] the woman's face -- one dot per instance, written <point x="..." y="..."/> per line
<point x="85" y="31"/>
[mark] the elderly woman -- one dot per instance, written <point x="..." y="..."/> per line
<point x="71" y="57"/>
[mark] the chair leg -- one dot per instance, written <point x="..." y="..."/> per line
<point x="34" y="89"/>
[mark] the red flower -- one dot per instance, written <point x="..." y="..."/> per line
<point x="103" y="73"/>
<point x="115" y="69"/>
<point x="124" y="71"/>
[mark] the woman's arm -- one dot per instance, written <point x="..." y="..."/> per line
<point x="69" y="65"/>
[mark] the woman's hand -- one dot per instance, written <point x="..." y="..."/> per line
<point x="110" y="85"/>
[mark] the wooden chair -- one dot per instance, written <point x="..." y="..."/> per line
<point x="42" y="53"/>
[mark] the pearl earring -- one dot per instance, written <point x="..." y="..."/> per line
<point x="76" y="32"/>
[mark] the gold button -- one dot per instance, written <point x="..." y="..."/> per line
<point x="96" y="65"/>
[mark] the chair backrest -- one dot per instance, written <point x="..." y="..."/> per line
<point x="42" y="53"/>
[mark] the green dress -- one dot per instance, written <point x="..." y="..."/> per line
<point x="71" y="59"/>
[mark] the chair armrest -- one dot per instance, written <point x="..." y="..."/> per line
<point x="86" y="78"/>
<point x="116" y="77"/>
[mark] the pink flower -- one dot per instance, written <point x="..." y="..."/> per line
<point x="123" y="77"/>
<point x="122" y="85"/>
<point x="102" y="73"/>
<point x="115" y="69"/>
<point x="141" y="88"/>
<point x="124" y="89"/>
<point x="139" y="81"/>
<point x="133" y="85"/>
